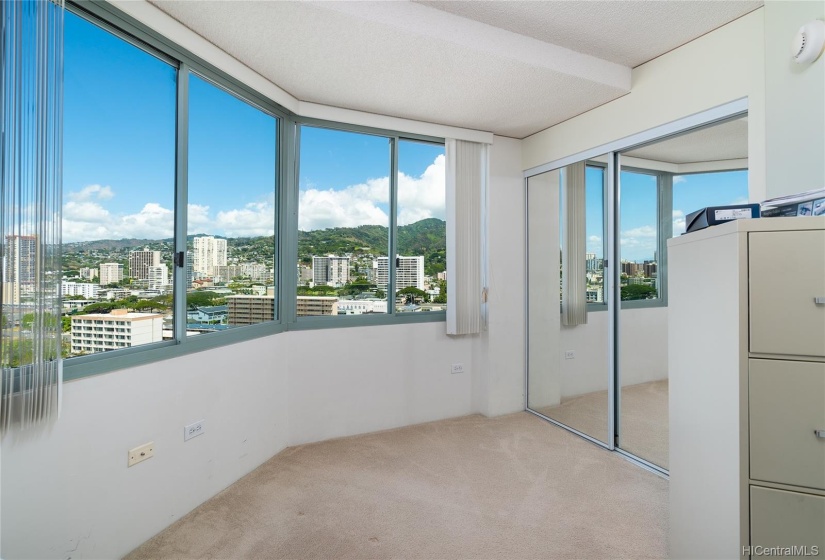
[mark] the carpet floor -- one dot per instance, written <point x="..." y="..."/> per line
<point x="644" y="418"/>
<point x="472" y="487"/>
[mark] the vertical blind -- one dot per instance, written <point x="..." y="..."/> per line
<point x="31" y="76"/>
<point x="467" y="176"/>
<point x="574" y="249"/>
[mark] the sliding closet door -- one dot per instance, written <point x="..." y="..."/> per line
<point x="568" y="323"/>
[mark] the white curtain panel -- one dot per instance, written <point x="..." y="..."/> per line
<point x="31" y="97"/>
<point x="467" y="178"/>
<point x="574" y="249"/>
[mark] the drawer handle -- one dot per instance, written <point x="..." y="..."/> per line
<point x="819" y="300"/>
<point x="820" y="433"/>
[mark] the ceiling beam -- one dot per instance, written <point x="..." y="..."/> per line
<point x="437" y="24"/>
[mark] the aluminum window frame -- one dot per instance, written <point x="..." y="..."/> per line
<point x="129" y="29"/>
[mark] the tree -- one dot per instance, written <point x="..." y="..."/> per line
<point x="638" y="291"/>
<point x="380" y="294"/>
<point x="100" y="307"/>
<point x="412" y="294"/>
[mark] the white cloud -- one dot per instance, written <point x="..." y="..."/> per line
<point x="679" y="179"/>
<point x="92" y="191"/>
<point x="85" y="218"/>
<point x="418" y="198"/>
<point x="86" y="221"/>
<point x="423" y="197"/>
<point x="197" y="218"/>
<point x="678" y="222"/>
<point x="349" y="207"/>
<point x="254" y="219"/>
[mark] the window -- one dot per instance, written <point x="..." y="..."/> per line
<point x="421" y="274"/>
<point x="639" y="239"/>
<point x="343" y="223"/>
<point x="595" y="227"/>
<point x="119" y="184"/>
<point x="183" y="194"/>
<point x="345" y="231"/>
<point x="231" y="214"/>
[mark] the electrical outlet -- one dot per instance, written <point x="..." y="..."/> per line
<point x="194" y="430"/>
<point x="141" y="453"/>
<point x="457" y="368"/>
<point x="569" y="355"/>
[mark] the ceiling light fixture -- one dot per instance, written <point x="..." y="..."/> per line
<point x="808" y="42"/>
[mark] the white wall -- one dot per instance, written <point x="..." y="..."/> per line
<point x="67" y="491"/>
<point x="500" y="365"/>
<point x="722" y="66"/>
<point x="795" y="102"/>
<point x="356" y="380"/>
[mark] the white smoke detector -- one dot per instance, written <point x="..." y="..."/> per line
<point x="807" y="45"/>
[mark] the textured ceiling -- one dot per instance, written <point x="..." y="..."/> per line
<point x="724" y="141"/>
<point x="628" y="32"/>
<point x="409" y="60"/>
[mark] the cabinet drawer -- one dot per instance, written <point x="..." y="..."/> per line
<point x="787" y="273"/>
<point x="787" y="405"/>
<point x="787" y="519"/>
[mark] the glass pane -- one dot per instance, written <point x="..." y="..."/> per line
<point x="638" y="245"/>
<point x="230" y="261"/>
<point x="343" y="221"/>
<point x="119" y="192"/>
<point x="421" y="276"/>
<point x="595" y="182"/>
<point x="568" y="365"/>
<point x="643" y="351"/>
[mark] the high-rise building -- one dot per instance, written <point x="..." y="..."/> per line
<point x="190" y="259"/>
<point x="330" y="270"/>
<point x="209" y="252"/>
<point x="408" y="272"/>
<point x="110" y="273"/>
<point x="158" y="277"/>
<point x="22" y="252"/>
<point x="141" y="261"/>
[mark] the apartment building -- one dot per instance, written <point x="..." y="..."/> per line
<point x="208" y="253"/>
<point x="250" y="310"/>
<point x="140" y="262"/>
<point x="110" y="273"/>
<point x="308" y="306"/>
<point x="87" y="290"/>
<point x="100" y="332"/>
<point x="330" y="270"/>
<point x="409" y="272"/>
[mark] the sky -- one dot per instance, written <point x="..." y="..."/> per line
<point x="119" y="162"/>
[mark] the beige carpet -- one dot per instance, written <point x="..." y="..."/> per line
<point x="644" y="418"/>
<point x="510" y="487"/>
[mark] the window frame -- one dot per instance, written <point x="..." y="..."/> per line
<point x="127" y="28"/>
<point x="391" y="317"/>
